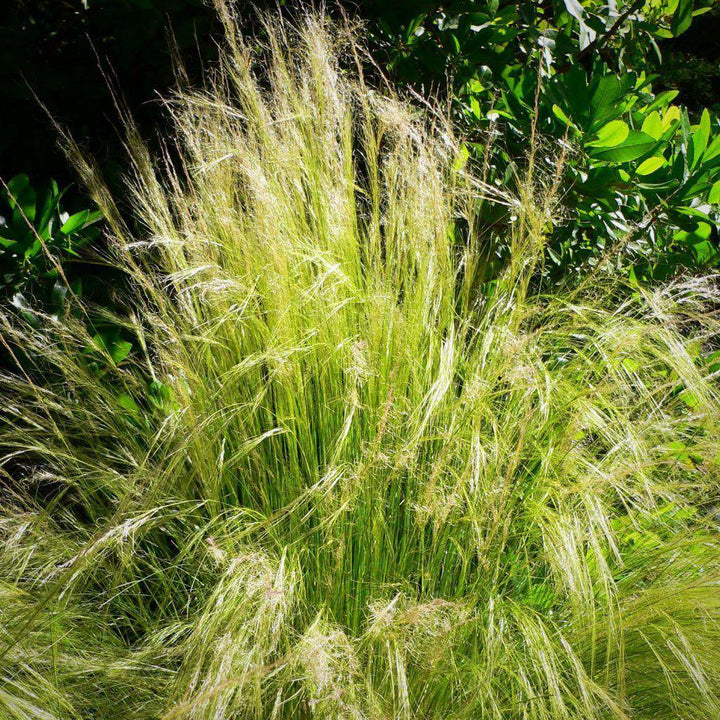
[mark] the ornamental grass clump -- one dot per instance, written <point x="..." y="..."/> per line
<point x="341" y="474"/>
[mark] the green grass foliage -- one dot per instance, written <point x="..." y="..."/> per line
<point x="340" y="476"/>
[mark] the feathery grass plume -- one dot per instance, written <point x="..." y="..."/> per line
<point x="338" y="477"/>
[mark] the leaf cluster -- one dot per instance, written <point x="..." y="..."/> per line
<point x="639" y="177"/>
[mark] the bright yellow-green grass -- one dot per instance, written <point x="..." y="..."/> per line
<point x="338" y="476"/>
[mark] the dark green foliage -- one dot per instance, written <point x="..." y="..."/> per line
<point x="43" y="266"/>
<point x="37" y="238"/>
<point x="639" y="177"/>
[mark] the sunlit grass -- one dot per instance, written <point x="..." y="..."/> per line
<point x="338" y="477"/>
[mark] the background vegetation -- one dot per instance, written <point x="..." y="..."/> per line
<point x="631" y="87"/>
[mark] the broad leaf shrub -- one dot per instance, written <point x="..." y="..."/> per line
<point x="48" y="256"/>
<point x="340" y="477"/>
<point x="641" y="184"/>
<point x="38" y="240"/>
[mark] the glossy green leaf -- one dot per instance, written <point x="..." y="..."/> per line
<point x="560" y="115"/>
<point x="611" y="135"/>
<point x="671" y="116"/>
<point x="15" y="187"/>
<point x="714" y="194"/>
<point x="713" y="149"/>
<point x="653" y="125"/>
<point x="704" y="251"/>
<point x="120" y="350"/>
<point x="700" y="138"/>
<point x="606" y="96"/>
<point x="662" y="100"/>
<point x="22" y="199"/>
<point x="128" y="403"/>
<point x="75" y="222"/>
<point x="682" y="17"/>
<point x="649" y="166"/>
<point x="701" y="233"/>
<point x="635" y="145"/>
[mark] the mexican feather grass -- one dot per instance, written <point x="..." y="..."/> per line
<point x="340" y="475"/>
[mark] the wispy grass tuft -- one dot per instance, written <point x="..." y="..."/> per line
<point x="339" y="476"/>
